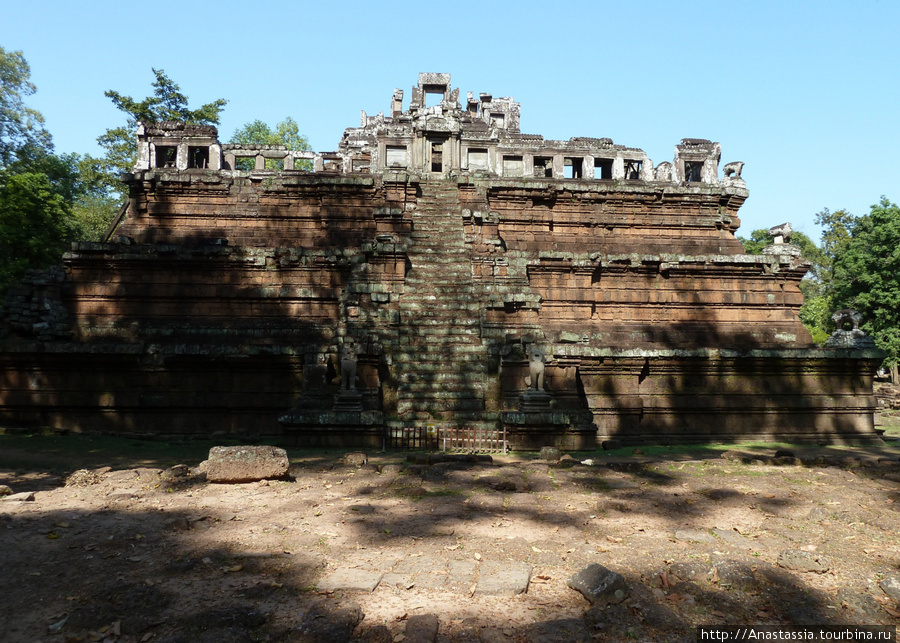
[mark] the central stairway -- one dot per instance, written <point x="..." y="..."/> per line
<point x="442" y="363"/>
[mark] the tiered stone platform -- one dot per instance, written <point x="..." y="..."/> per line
<point x="442" y="246"/>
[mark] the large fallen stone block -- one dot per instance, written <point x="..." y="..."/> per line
<point x="600" y="585"/>
<point x="246" y="464"/>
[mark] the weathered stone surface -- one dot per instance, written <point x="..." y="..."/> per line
<point x="550" y="454"/>
<point x="246" y="464"/>
<point x="891" y="587"/>
<point x="694" y="535"/>
<point x="599" y="585"/>
<point x="377" y="634"/>
<point x="24" y="496"/>
<point x="690" y="571"/>
<point x="503" y="579"/>
<point x="564" y="630"/>
<point x="324" y="622"/>
<point x="732" y="537"/>
<point x="734" y="573"/>
<point x="84" y="478"/>
<point x="175" y="472"/>
<point x="354" y="459"/>
<point x="351" y="579"/>
<point x="422" y="628"/>
<point x="803" y="561"/>
<point x="5" y="490"/>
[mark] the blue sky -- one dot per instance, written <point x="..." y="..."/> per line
<point x="807" y="94"/>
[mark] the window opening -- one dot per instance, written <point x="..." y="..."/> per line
<point x="437" y="156"/>
<point x="693" y="171"/>
<point x="572" y="167"/>
<point x="198" y="157"/>
<point x="543" y="167"/>
<point x="166" y="155"/>
<point x="434" y="95"/>
<point x="633" y="170"/>
<point x="603" y="169"/>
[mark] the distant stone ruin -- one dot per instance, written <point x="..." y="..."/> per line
<point x="408" y="280"/>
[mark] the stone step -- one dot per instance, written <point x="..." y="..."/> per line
<point x="413" y="345"/>
<point x="439" y="405"/>
<point x="450" y="364"/>
<point x="435" y="264"/>
<point x="447" y="368"/>
<point x="434" y="303"/>
<point x="462" y="353"/>
<point x="460" y="292"/>
<point x="441" y="278"/>
<point x="441" y="382"/>
<point x="434" y="328"/>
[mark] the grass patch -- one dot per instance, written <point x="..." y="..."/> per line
<point x="699" y="450"/>
<point x="64" y="453"/>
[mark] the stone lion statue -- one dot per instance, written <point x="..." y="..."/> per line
<point x="348" y="367"/>
<point x="536" y="368"/>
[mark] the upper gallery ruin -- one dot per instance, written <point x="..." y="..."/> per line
<point x="437" y="136"/>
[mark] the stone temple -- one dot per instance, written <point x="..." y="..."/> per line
<point x="440" y="274"/>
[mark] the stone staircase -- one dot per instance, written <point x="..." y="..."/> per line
<point x="442" y="363"/>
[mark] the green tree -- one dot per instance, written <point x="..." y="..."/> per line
<point x="866" y="273"/>
<point x="35" y="224"/>
<point x="815" y="313"/>
<point x="96" y="210"/>
<point x="22" y="132"/>
<point x="286" y="133"/>
<point x="836" y="227"/>
<point x="167" y="103"/>
<point x="37" y="187"/>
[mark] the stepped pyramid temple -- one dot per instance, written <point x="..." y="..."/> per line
<point x="442" y="276"/>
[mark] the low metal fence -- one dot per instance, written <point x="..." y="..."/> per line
<point x="460" y="438"/>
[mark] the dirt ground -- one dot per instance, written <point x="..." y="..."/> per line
<point x="142" y="553"/>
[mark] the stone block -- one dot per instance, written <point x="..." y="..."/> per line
<point x="422" y="628"/>
<point x="550" y="454"/>
<point x="891" y="586"/>
<point x="24" y="496"/>
<point x="351" y="580"/>
<point x="503" y="579"/>
<point x="246" y="464"/>
<point x="600" y="585"/>
<point x="802" y="561"/>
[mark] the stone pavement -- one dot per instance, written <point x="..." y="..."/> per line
<point x="487" y="577"/>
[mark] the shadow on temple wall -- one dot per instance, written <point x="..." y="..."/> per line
<point x="169" y="341"/>
<point x="737" y="396"/>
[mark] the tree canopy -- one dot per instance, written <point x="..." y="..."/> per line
<point x="866" y="271"/>
<point x="257" y="132"/>
<point x="816" y="310"/>
<point x="857" y="266"/>
<point x="22" y="132"/>
<point x="37" y="188"/>
<point x="48" y="200"/>
<point x="166" y="103"/>
<point x="35" y="224"/>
